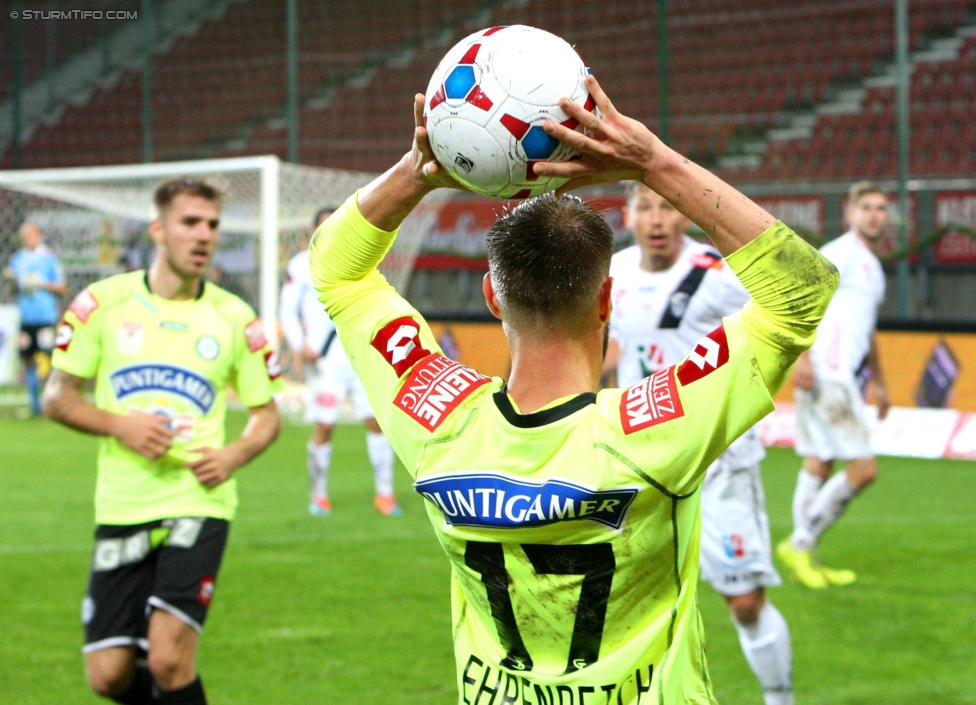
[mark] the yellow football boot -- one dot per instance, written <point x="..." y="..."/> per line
<point x="802" y="565"/>
<point x="838" y="576"/>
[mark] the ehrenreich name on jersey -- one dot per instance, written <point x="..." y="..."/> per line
<point x="481" y="684"/>
<point x="572" y="531"/>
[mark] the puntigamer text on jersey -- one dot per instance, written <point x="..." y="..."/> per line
<point x="164" y="378"/>
<point x="493" y="500"/>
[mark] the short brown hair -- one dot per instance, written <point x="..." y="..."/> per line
<point x="548" y="257"/>
<point x="863" y="188"/>
<point x="169" y="189"/>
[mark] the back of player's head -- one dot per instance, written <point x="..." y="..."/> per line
<point x="548" y="258"/>
<point x="861" y="189"/>
<point x="169" y="189"/>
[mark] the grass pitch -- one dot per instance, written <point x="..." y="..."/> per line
<point x="354" y="608"/>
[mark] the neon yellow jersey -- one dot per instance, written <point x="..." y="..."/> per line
<point x="173" y="358"/>
<point x="573" y="532"/>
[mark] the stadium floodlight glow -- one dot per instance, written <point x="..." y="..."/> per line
<point x="92" y="214"/>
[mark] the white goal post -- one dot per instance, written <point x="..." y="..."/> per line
<point x="95" y="219"/>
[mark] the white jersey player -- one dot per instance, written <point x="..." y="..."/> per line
<point x="669" y="293"/>
<point x="330" y="380"/>
<point x="830" y="408"/>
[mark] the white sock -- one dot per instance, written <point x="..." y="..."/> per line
<point x="772" y="698"/>
<point x="807" y="486"/>
<point x="829" y="504"/>
<point x="381" y="456"/>
<point x="767" y="647"/>
<point x="319" y="458"/>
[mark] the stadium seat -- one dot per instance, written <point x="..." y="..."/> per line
<point x="207" y="93"/>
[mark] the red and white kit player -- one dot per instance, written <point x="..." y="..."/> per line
<point x="669" y="293"/>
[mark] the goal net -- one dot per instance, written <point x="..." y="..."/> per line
<point x="96" y="220"/>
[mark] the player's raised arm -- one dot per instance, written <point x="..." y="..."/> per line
<point x="384" y="203"/>
<point x="790" y="282"/>
<point x="383" y="335"/>
<point x="387" y="200"/>
<point x="619" y="148"/>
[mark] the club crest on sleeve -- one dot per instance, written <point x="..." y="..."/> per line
<point x="84" y="305"/>
<point x="709" y="354"/>
<point x="435" y="388"/>
<point x="272" y="365"/>
<point x="254" y="334"/>
<point x="651" y="401"/>
<point x="399" y="344"/>
<point x="66" y="334"/>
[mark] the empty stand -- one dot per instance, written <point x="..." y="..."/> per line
<point x="735" y="69"/>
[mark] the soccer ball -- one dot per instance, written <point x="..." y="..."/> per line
<point x="486" y="104"/>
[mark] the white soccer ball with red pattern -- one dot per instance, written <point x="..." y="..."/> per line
<point x="486" y="104"/>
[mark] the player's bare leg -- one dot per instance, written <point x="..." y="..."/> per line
<point x="861" y="472"/>
<point x="172" y="659"/>
<point x="319" y="451"/>
<point x="765" y="640"/>
<point x="381" y="458"/>
<point x="111" y="673"/>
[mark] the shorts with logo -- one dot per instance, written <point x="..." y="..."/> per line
<point x="331" y="381"/>
<point x="831" y="422"/>
<point x="168" y="564"/>
<point x="35" y="339"/>
<point x="735" y="547"/>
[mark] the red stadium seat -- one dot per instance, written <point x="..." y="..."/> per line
<point x="208" y="92"/>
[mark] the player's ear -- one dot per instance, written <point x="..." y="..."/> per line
<point x="488" y="290"/>
<point x="606" y="299"/>
<point x="156" y="230"/>
<point x="849" y="214"/>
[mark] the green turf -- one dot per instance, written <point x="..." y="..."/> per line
<point x="354" y="608"/>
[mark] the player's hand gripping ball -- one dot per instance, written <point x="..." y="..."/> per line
<point x="486" y="104"/>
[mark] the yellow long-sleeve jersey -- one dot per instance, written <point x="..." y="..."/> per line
<point x="573" y="532"/>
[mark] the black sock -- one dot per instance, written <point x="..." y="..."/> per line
<point x="140" y="691"/>
<point x="191" y="694"/>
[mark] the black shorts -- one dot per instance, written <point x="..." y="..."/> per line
<point x="35" y="339"/>
<point x="169" y="564"/>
